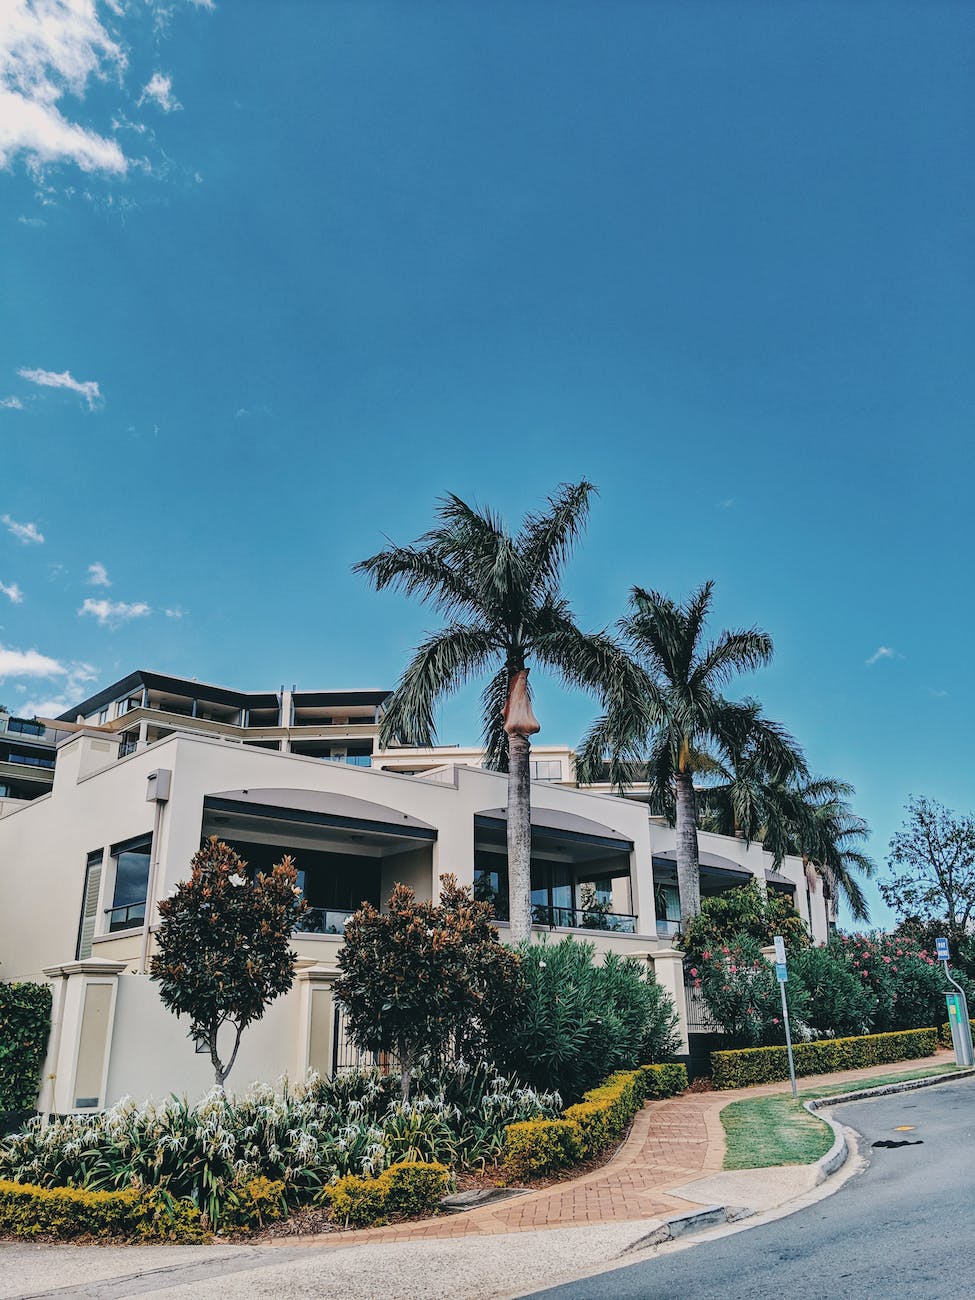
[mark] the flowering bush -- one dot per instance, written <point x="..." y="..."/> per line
<point x="904" y="980"/>
<point x="742" y="993"/>
<point x="840" y="1002"/>
<point x="299" y="1138"/>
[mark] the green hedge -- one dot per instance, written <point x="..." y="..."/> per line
<point x="407" y="1189"/>
<point x="67" y="1212"/>
<point x="25" y="1022"/>
<point x="752" y="1065"/>
<point x="537" y="1147"/>
<point x="944" y="1033"/>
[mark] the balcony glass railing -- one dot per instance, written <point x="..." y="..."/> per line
<point x="29" y="760"/>
<point x="323" y="920"/>
<point x="126" y="916"/>
<point x="578" y="918"/>
<point x="24" y="728"/>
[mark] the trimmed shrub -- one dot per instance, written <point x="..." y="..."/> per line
<point x="580" y="1018"/>
<point x="25" y="1022"/>
<point x="407" y="1189"/>
<point x="68" y="1212"/>
<point x="537" y="1147"/>
<point x="543" y="1146"/>
<point x="944" y="1033"/>
<point x="257" y="1203"/>
<point x="749" y="1066"/>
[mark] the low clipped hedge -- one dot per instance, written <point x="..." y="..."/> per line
<point x="944" y="1033"/>
<point x="538" y="1147"/>
<point x="25" y="1023"/>
<point x="407" y="1189"/>
<point x="68" y="1212"/>
<point x="753" y="1065"/>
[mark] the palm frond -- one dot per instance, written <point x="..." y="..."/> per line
<point x="547" y="537"/>
<point x="444" y="661"/>
<point x="420" y="573"/>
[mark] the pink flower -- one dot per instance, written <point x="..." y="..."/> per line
<point x="726" y="951"/>
<point x="694" y="971"/>
<point x="775" y="1020"/>
<point x="734" y="970"/>
<point x="887" y="960"/>
<point x="706" y="955"/>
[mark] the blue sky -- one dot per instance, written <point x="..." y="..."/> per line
<point x="276" y="276"/>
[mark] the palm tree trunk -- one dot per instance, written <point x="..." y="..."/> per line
<point x="688" y="867"/>
<point x="519" y="837"/>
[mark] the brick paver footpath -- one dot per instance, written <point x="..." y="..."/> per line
<point x="669" y="1144"/>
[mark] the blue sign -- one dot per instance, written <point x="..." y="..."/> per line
<point x="781" y="973"/>
<point x="942" y="946"/>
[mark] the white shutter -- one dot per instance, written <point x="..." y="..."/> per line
<point x="89" y="907"/>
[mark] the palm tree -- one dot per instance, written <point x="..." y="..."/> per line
<point x="684" y="726"/>
<point x="500" y="593"/>
<point x="761" y="756"/>
<point x="812" y="819"/>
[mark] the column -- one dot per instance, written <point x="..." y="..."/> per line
<point x="80" y="1049"/>
<point x="668" y="971"/>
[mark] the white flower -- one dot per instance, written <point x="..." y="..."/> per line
<point x="237" y="879"/>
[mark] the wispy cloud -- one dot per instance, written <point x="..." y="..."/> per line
<point x="11" y="403"/>
<point x="87" y="388"/>
<point x="882" y="652"/>
<point x="50" y="49"/>
<point x="12" y="592"/>
<point x="174" y="613"/>
<point x="77" y="680"/>
<point x="726" y="504"/>
<point x="98" y="575"/>
<point x="111" y="613"/>
<point x="25" y="533"/>
<point x="938" y="694"/>
<point x="159" y="91"/>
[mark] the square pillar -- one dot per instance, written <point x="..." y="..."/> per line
<point x="80" y="1049"/>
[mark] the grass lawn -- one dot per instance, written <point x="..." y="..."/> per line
<point x="777" y="1130"/>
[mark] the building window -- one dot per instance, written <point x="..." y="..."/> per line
<point x="545" y="769"/>
<point x="131" y="883"/>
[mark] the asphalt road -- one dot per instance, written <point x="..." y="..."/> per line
<point x="903" y="1228"/>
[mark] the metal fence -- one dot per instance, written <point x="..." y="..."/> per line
<point x="346" y="1056"/>
<point x="699" y="1017"/>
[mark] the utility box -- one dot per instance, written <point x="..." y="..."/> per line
<point x="961" y="1028"/>
<point x="158" y="785"/>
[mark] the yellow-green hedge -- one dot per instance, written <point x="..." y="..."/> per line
<point x="944" y="1033"/>
<point x="66" y="1212"/>
<point x="409" y="1188"/>
<point x="537" y="1147"/>
<point x="752" y="1065"/>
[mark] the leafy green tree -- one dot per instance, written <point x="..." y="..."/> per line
<point x="810" y="818"/>
<point x="580" y="1019"/>
<point x="746" y="911"/>
<point x="742" y="993"/>
<point x="931" y="865"/>
<point x="501" y="593"/>
<point x="224" y="946"/>
<point x="683" y="726"/>
<point x="840" y="1003"/>
<point x="422" y="980"/>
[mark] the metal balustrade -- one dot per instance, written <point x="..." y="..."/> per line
<point x="579" y="918"/>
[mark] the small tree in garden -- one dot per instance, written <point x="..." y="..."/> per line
<point x="422" y="979"/>
<point x="932" y="870"/>
<point x="746" y="910"/>
<point x="224" y="946"/>
<point x="742" y="993"/>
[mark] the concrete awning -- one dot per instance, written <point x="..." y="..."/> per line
<point x="320" y="808"/>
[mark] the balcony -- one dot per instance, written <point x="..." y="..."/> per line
<point x="323" y="920"/>
<point x="576" y="918"/>
<point x="126" y="917"/>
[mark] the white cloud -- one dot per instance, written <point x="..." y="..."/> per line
<point x="882" y="652"/>
<point x="114" y="612"/>
<point x="49" y="49"/>
<point x="726" y="504"/>
<point x="174" y="613"/>
<point x="78" y="677"/>
<point x="13" y="593"/>
<point x="29" y="663"/>
<point x="11" y="403"/>
<point x="98" y="575"/>
<point x="88" y="388"/>
<point x="160" y="91"/>
<point x="23" y="532"/>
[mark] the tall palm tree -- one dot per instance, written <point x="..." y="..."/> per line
<point x="500" y="592"/>
<point x="812" y="819"/>
<point x="684" y="725"/>
<point x="740" y="792"/>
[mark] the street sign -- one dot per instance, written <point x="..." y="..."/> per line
<point x="942" y="946"/>
<point x="779" y="948"/>
<point x="781" y="972"/>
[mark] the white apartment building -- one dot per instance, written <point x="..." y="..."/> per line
<point x="149" y="768"/>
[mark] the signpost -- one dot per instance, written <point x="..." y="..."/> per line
<point x="782" y="974"/>
<point x="961" y="1026"/>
